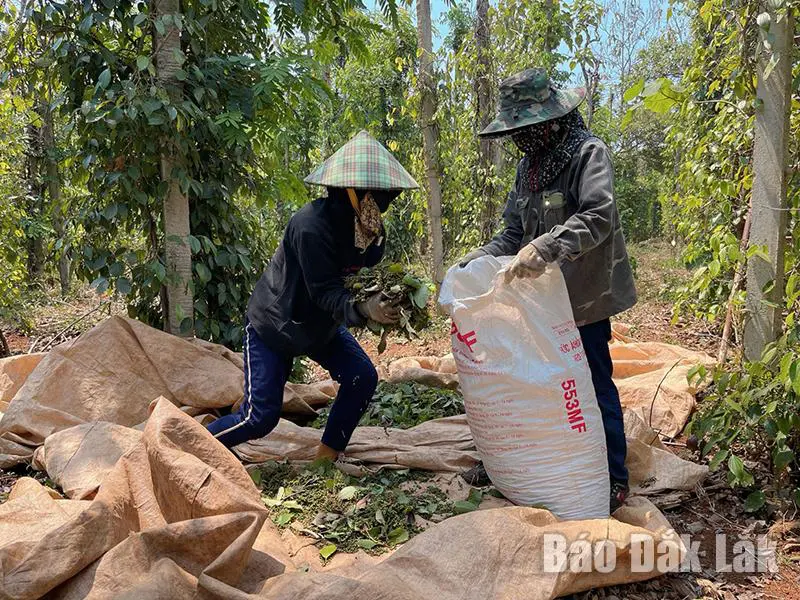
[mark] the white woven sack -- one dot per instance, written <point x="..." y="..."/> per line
<point x="527" y="388"/>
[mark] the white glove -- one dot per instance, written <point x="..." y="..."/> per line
<point x="480" y="252"/>
<point x="528" y="263"/>
<point x="380" y="309"/>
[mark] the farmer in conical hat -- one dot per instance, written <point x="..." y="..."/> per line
<point x="562" y="209"/>
<point x="300" y="305"/>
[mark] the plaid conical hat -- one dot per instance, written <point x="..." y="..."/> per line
<point x="363" y="163"/>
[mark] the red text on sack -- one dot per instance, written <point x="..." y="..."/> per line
<point x="573" y="406"/>
<point x="469" y="339"/>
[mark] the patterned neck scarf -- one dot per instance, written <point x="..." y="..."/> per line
<point x="549" y="149"/>
<point x="368" y="220"/>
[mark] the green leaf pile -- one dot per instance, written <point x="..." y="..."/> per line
<point x="347" y="514"/>
<point x="395" y="282"/>
<point x="404" y="405"/>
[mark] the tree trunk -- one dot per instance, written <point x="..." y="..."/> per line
<point x="487" y="149"/>
<point x="738" y="277"/>
<point x="4" y="349"/>
<point x="54" y="192"/>
<point x="430" y="137"/>
<point x="591" y="78"/>
<point x="35" y="202"/>
<point x="770" y="167"/>
<point x="179" y="312"/>
<point x="550" y="38"/>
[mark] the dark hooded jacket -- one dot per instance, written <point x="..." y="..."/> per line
<point x="300" y="301"/>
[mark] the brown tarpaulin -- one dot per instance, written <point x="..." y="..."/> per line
<point x="178" y="517"/>
<point x="438" y="445"/>
<point x="652" y="381"/>
<point x="651" y="466"/>
<point x="175" y="515"/>
<point x="86" y="395"/>
<point x="14" y="370"/>
<point x="79" y="458"/>
<point x="111" y="373"/>
<point x="175" y="507"/>
<point x="428" y="370"/>
<point x="446" y="445"/>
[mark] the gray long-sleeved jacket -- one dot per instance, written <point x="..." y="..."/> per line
<point x="574" y="222"/>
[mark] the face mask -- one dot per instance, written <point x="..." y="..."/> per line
<point x="383" y="198"/>
<point x="533" y="139"/>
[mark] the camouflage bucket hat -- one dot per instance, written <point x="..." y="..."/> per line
<point x="363" y="163"/>
<point x="528" y="98"/>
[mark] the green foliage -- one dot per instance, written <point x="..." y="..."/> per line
<point x="472" y="502"/>
<point x="520" y="35"/>
<point x="711" y="113"/>
<point x="375" y="92"/>
<point x="235" y="91"/>
<point x="301" y="372"/>
<point x="13" y="271"/>
<point x="124" y="119"/>
<point x="749" y="422"/>
<point x="525" y="32"/>
<point x="28" y="99"/>
<point x="373" y="513"/>
<point x="397" y="285"/>
<point x="643" y="160"/>
<point x="638" y="203"/>
<point x="405" y="405"/>
<point x="264" y="92"/>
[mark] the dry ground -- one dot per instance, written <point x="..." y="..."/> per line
<point x="659" y="276"/>
<point x="50" y="319"/>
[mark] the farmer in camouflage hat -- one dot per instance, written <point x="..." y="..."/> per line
<point x="300" y="305"/>
<point x="562" y="209"/>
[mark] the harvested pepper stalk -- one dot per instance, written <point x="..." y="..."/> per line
<point x="396" y="283"/>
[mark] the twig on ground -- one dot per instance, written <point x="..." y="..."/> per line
<point x="702" y="494"/>
<point x="716" y="486"/>
<point x="655" y="396"/>
<point x="716" y="513"/>
<point x="65" y="303"/>
<point x="53" y="340"/>
<point x="311" y="533"/>
<point x="672" y="500"/>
